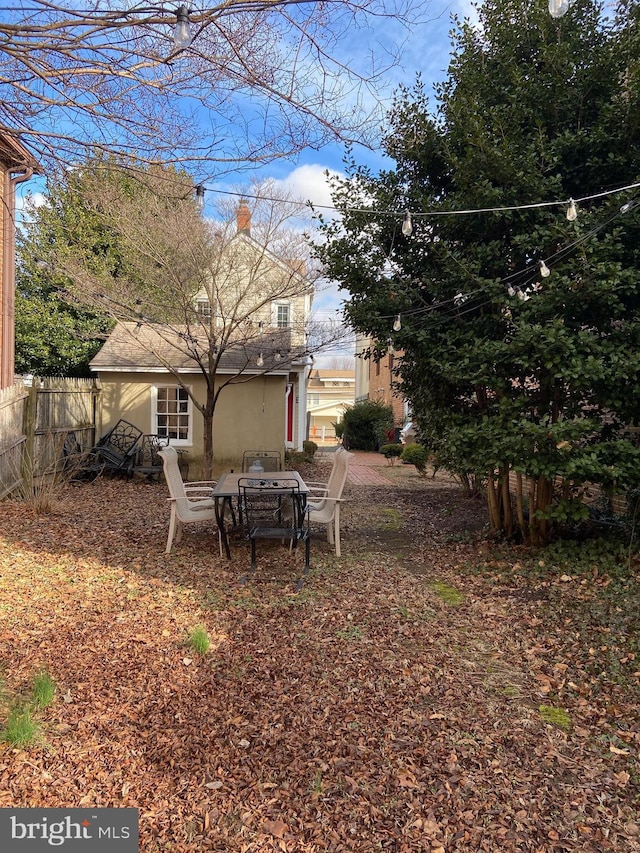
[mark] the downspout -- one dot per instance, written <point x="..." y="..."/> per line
<point x="12" y="178"/>
<point x="303" y="382"/>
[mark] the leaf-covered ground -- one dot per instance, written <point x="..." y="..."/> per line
<point x="428" y="691"/>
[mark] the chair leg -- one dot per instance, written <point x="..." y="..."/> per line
<point x="329" y="533"/>
<point x="336" y="535"/>
<point x="172" y="530"/>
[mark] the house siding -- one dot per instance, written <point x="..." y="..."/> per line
<point x="249" y="415"/>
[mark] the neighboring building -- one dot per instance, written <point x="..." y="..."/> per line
<point x="375" y="380"/>
<point x="362" y="368"/>
<point x="329" y="394"/>
<point x="264" y="407"/>
<point x="16" y="165"/>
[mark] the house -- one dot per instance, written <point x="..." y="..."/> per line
<point x="246" y="333"/>
<point x="329" y="394"/>
<point x="16" y="165"/>
<point x="375" y="380"/>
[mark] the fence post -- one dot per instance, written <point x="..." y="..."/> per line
<point x="29" y="430"/>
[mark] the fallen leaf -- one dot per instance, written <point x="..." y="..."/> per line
<point x="406" y="779"/>
<point x="277" y="828"/>
<point x="617" y="751"/>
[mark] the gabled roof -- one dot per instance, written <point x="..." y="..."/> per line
<point x="133" y="348"/>
<point x="295" y="268"/>
<point x="14" y="154"/>
<point x="320" y="376"/>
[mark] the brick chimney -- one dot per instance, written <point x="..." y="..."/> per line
<point x="243" y="218"/>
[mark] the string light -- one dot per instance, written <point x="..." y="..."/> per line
<point x="182" y="32"/>
<point x="532" y="284"/>
<point x="545" y="272"/>
<point x="397" y="324"/>
<point x="572" y="211"/>
<point x="260" y="361"/>
<point x="200" y="197"/>
<point x="407" y="224"/>
<point x="558" y="8"/>
<point x="277" y="356"/>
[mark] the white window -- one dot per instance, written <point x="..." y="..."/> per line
<point x="172" y="417"/>
<point x="203" y="307"/>
<point x="281" y="315"/>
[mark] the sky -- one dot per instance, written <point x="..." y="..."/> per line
<point x="425" y="50"/>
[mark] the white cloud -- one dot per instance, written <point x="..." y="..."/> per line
<point x="30" y="200"/>
<point x="309" y="182"/>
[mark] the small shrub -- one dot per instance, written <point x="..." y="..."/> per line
<point x="199" y="640"/>
<point x="415" y="454"/>
<point x="21" y="728"/>
<point x="293" y="458"/>
<point x="309" y="448"/>
<point x="391" y="452"/>
<point x="43" y="690"/>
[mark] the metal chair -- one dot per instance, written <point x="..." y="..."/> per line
<point x="274" y="508"/>
<point x="147" y="459"/>
<point x="189" y="501"/>
<point x="117" y="447"/>
<point x="270" y="460"/>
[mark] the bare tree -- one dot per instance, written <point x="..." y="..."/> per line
<point x="190" y="292"/>
<point x="260" y="78"/>
<point x="342" y="362"/>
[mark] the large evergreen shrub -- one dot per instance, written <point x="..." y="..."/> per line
<point x="365" y="425"/>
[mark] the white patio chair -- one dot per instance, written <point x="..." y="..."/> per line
<point x="326" y="509"/>
<point x="322" y="488"/>
<point x="189" y="501"/>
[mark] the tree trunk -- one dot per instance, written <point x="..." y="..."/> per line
<point x="493" y="504"/>
<point x="520" y="507"/>
<point x="207" y="460"/>
<point x="505" y="502"/>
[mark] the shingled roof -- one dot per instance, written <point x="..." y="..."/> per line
<point x="145" y="348"/>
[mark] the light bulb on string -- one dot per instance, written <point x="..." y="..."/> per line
<point x="558" y="8"/>
<point x="200" y="197"/>
<point x="260" y="361"/>
<point x="407" y="225"/>
<point x="545" y="272"/>
<point x="397" y="324"/>
<point x="572" y="211"/>
<point x="511" y="291"/>
<point x="277" y="356"/>
<point x="182" y="32"/>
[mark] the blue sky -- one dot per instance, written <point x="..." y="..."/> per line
<point x="424" y="49"/>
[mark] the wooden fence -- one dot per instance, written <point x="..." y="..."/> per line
<point x="34" y="421"/>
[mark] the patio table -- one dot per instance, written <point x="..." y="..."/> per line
<point x="227" y="488"/>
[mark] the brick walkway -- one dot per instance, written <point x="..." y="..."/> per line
<point x="367" y="469"/>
